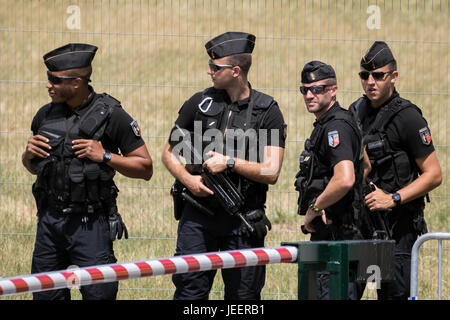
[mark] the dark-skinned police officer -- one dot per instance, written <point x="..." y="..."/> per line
<point x="227" y="111"/>
<point x="404" y="166"/>
<point x="74" y="151"/>
<point x="331" y="167"/>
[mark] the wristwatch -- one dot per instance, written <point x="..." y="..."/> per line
<point x="313" y="207"/>
<point x="230" y="163"/>
<point x="106" y="156"/>
<point x="397" y="198"/>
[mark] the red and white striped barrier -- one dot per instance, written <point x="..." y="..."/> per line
<point x="154" y="267"/>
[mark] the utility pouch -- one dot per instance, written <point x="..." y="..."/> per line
<point x="419" y="223"/>
<point x="305" y="162"/>
<point x="94" y="120"/>
<point x="92" y="175"/>
<point x="308" y="193"/>
<point x="375" y="149"/>
<point x="77" y="185"/>
<point x="108" y="189"/>
<point x="178" y="200"/>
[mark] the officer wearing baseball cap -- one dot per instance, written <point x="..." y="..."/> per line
<point x="74" y="153"/>
<point x="330" y="167"/>
<point x="228" y="107"/>
<point x="404" y="163"/>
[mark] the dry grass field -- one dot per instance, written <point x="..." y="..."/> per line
<point x="151" y="57"/>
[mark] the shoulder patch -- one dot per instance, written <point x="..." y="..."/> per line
<point x="333" y="139"/>
<point x="134" y="125"/>
<point x="425" y="135"/>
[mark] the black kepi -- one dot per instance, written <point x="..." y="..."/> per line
<point x="316" y="70"/>
<point x="70" y="56"/>
<point x="230" y="43"/>
<point x="377" y="56"/>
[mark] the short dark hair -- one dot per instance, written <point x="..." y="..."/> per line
<point x="243" y="60"/>
<point x="392" y="65"/>
<point x="331" y="81"/>
<point x="84" y="73"/>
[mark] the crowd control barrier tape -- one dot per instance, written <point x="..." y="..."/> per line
<point x="154" y="267"/>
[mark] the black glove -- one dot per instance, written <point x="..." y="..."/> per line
<point x="116" y="226"/>
<point x="260" y="223"/>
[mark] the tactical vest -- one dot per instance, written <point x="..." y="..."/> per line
<point x="238" y="128"/>
<point x="391" y="169"/>
<point x="64" y="182"/>
<point x="314" y="175"/>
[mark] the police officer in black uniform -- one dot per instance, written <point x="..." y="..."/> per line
<point x="74" y="151"/>
<point x="404" y="163"/>
<point x="331" y="166"/>
<point x="225" y="113"/>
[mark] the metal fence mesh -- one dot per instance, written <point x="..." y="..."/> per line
<point x="151" y="57"/>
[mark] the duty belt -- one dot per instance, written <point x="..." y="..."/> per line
<point x="75" y="208"/>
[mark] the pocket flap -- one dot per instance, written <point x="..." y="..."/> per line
<point x="91" y="170"/>
<point x="54" y="139"/>
<point x="76" y="170"/>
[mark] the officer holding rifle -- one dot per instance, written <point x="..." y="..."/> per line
<point x="403" y="160"/>
<point x="238" y="135"/>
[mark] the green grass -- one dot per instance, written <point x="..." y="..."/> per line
<point x="152" y="58"/>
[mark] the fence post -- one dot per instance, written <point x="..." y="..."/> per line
<point x="415" y="260"/>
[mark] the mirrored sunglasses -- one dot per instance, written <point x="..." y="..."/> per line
<point x="216" y="67"/>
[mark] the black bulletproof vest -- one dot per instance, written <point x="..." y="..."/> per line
<point x="314" y="174"/>
<point x="65" y="182"/>
<point x="391" y="169"/>
<point x="240" y="131"/>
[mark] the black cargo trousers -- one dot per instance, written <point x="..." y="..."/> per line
<point x="64" y="241"/>
<point x="200" y="233"/>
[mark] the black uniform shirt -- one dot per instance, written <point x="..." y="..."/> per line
<point x="119" y="133"/>
<point x="404" y="131"/>
<point x="338" y="142"/>
<point x="273" y="119"/>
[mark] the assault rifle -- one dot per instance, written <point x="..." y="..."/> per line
<point x="225" y="192"/>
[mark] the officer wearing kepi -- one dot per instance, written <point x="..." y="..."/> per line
<point x="234" y="118"/>
<point x="404" y="166"/>
<point x="331" y="166"/>
<point x="74" y="152"/>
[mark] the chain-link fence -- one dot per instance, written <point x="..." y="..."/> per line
<point x="151" y="57"/>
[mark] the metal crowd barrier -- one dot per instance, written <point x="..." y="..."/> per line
<point x="415" y="260"/>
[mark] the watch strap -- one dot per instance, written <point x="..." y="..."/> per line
<point x="106" y="156"/>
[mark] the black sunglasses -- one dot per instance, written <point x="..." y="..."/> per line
<point x="379" y="75"/>
<point x="58" y="79"/>
<point x="216" y="67"/>
<point x="314" y="89"/>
